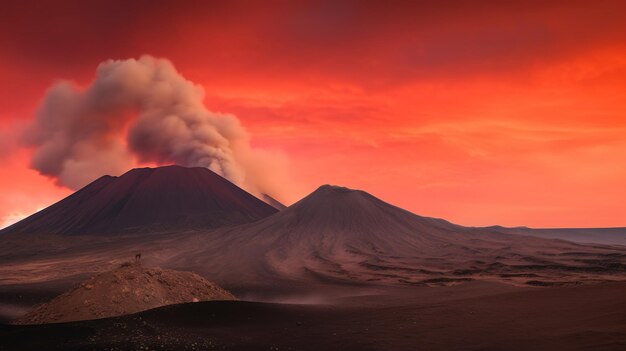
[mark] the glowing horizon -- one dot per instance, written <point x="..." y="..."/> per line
<point x="481" y="113"/>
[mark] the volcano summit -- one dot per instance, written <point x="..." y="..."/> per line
<point x="148" y="199"/>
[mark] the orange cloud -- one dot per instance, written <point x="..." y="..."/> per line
<point x="481" y="112"/>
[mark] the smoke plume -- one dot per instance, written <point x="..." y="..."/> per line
<point x="142" y="112"/>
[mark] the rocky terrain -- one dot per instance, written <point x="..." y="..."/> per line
<point x="129" y="289"/>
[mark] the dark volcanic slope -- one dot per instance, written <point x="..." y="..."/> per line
<point x="170" y="197"/>
<point x="338" y="235"/>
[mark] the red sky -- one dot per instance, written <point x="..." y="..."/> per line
<point x="480" y="112"/>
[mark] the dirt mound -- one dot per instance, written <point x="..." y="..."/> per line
<point x="128" y="289"/>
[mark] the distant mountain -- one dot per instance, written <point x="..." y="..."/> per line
<point x="148" y="199"/>
<point x="605" y="236"/>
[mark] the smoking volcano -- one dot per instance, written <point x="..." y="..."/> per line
<point x="148" y="199"/>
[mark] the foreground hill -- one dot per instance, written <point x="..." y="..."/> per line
<point x="130" y="288"/>
<point x="148" y="199"/>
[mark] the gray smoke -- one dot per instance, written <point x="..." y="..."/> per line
<point x="137" y="112"/>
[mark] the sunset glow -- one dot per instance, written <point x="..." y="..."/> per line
<point x="481" y="113"/>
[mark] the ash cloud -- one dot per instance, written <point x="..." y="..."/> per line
<point x="143" y="112"/>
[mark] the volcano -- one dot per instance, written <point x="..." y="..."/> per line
<point x="338" y="235"/>
<point x="148" y="199"/>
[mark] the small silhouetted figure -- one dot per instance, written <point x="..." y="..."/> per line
<point x="137" y="258"/>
